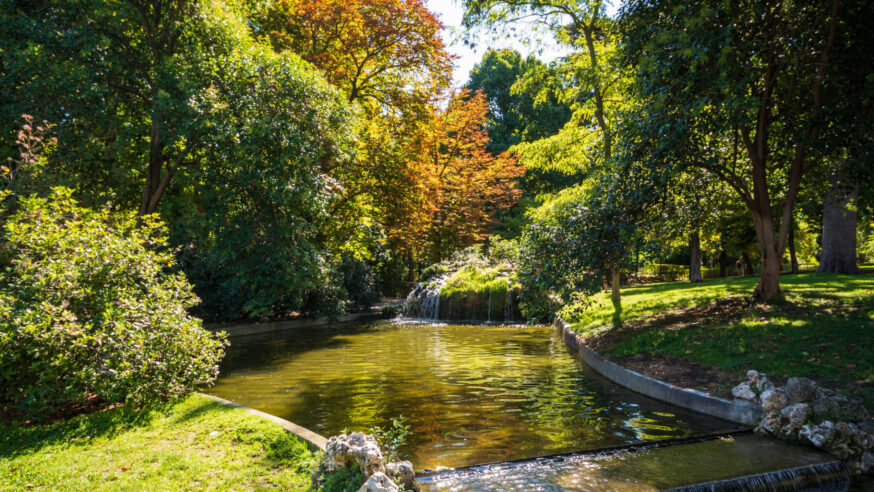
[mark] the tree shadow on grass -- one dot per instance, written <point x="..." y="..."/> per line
<point x="200" y="410"/>
<point x="17" y="439"/>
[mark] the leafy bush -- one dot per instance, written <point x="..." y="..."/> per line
<point x="346" y="479"/>
<point x="90" y="312"/>
<point x="392" y="437"/>
<point x="360" y="282"/>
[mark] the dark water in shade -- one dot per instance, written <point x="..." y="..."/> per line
<point x="471" y="394"/>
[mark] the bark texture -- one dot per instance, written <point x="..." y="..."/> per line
<point x="695" y="257"/>
<point x="615" y="294"/>
<point x="839" y="220"/>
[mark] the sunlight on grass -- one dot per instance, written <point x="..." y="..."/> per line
<point x="194" y="445"/>
<point x="823" y="329"/>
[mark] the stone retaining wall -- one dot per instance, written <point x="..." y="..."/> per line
<point x="735" y="411"/>
<point x="315" y="440"/>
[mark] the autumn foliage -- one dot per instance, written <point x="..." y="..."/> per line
<point x="383" y="53"/>
<point x="461" y="185"/>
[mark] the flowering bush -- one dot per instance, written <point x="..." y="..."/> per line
<point x="91" y="312"/>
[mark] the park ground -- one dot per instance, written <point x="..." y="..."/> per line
<point x="195" y="444"/>
<point x="707" y="335"/>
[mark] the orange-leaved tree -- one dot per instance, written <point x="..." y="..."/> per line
<point x="462" y="185"/>
<point x="384" y="54"/>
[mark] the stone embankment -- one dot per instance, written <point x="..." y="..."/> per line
<point x="344" y="452"/>
<point x="802" y="411"/>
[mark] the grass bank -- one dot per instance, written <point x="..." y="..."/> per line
<point x="708" y="335"/>
<point x="196" y="444"/>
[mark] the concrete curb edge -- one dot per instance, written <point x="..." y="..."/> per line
<point x="311" y="437"/>
<point x="736" y="411"/>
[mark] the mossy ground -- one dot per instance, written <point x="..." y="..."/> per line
<point x="823" y="329"/>
<point x="475" y="293"/>
<point x="196" y="444"/>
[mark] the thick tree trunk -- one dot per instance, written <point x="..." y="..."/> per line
<point x="615" y="294"/>
<point x="695" y="257"/>
<point x="772" y="253"/>
<point x="723" y="264"/>
<point x="793" y="260"/>
<point x="769" y="279"/>
<point x="839" y="220"/>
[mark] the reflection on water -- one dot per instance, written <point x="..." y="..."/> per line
<point x="649" y="470"/>
<point x="472" y="394"/>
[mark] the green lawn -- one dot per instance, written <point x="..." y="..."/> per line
<point x="196" y="444"/>
<point x="824" y="329"/>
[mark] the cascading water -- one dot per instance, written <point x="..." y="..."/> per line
<point x="424" y="301"/>
<point x="510" y="303"/>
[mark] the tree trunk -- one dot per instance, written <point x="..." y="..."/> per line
<point x="793" y="260"/>
<point x="723" y="267"/>
<point x="615" y="294"/>
<point x="695" y="257"/>
<point x="411" y="270"/>
<point x="748" y="265"/>
<point x="769" y="278"/>
<point x="839" y="220"/>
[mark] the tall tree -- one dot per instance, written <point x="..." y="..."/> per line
<point x="587" y="141"/>
<point x="839" y="224"/>
<point x="172" y="107"/>
<point x="385" y="54"/>
<point x="739" y="90"/>
<point x="462" y="185"/>
<point x="388" y="59"/>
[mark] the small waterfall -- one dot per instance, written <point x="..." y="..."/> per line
<point x="821" y="477"/>
<point x="509" y="304"/>
<point x="424" y="301"/>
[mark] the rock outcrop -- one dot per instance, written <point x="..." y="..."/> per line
<point x="805" y="412"/>
<point x="361" y="451"/>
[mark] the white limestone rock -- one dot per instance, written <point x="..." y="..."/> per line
<point x="379" y="482"/>
<point x="403" y="471"/>
<point x="800" y="390"/>
<point x="743" y="391"/>
<point x="795" y="417"/>
<point x="356" y="447"/>
<point x="819" y="435"/>
<point x="774" y="399"/>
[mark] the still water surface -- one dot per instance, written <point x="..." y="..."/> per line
<point x="471" y="394"/>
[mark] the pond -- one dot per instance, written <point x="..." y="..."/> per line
<point x="471" y="394"/>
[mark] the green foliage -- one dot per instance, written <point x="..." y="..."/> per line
<point x="823" y="330"/>
<point x="359" y="282"/>
<point x="91" y="313"/>
<point x="433" y="271"/>
<point x="392" y="437"/>
<point x="346" y="479"/>
<point x="518" y="112"/>
<point x="236" y="141"/>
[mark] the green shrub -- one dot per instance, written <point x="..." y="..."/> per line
<point x="92" y="314"/>
<point x="391" y="437"/>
